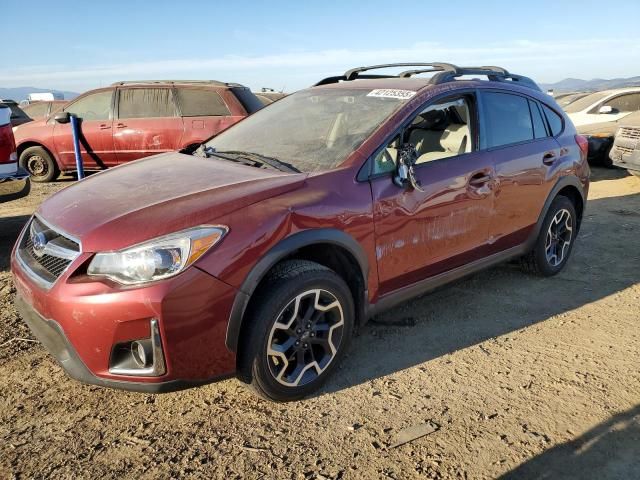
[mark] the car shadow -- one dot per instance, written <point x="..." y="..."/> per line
<point x="499" y="300"/>
<point x="613" y="173"/>
<point x="609" y="450"/>
<point x="10" y="228"/>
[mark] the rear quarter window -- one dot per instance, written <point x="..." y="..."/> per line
<point x="201" y="103"/>
<point x="555" y="120"/>
<point x="247" y="99"/>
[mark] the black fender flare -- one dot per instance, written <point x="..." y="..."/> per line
<point x="562" y="182"/>
<point x="281" y="250"/>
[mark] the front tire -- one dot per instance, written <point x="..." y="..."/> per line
<point x="555" y="241"/>
<point x="40" y="164"/>
<point x="299" y="328"/>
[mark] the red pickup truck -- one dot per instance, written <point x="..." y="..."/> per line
<point x="14" y="182"/>
<point x="131" y="120"/>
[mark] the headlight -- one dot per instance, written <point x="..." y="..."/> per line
<point x="156" y="259"/>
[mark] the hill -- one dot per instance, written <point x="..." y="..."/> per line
<point x="576" y="84"/>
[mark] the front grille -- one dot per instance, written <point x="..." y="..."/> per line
<point x="54" y="265"/>
<point x="623" y="150"/>
<point x="629" y="132"/>
<point x="52" y="257"/>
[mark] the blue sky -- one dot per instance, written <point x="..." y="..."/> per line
<point x="77" y="45"/>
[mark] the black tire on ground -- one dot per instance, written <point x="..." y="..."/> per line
<point x="325" y="341"/>
<point x="40" y="164"/>
<point x="606" y="160"/>
<point x="540" y="260"/>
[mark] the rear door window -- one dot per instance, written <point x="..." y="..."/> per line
<point x="146" y="103"/>
<point x="539" y="129"/>
<point x="507" y="119"/>
<point x="95" y="106"/>
<point x="201" y="103"/>
<point x="555" y="120"/>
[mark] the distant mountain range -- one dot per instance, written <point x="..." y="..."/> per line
<point x="20" y="93"/>
<point x="576" y="84"/>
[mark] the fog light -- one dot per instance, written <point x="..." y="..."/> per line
<point x="143" y="357"/>
<point x="142" y="353"/>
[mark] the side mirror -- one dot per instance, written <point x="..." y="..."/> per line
<point x="405" y="175"/>
<point x="606" y="109"/>
<point x="401" y="177"/>
<point x="62" y="117"/>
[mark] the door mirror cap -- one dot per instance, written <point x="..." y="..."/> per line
<point x="606" y="109"/>
<point x="407" y="157"/>
<point x="401" y="177"/>
<point x="62" y="117"/>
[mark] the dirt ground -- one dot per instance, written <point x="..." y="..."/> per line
<point x="519" y="377"/>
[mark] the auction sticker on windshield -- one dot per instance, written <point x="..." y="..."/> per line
<point x="391" y="93"/>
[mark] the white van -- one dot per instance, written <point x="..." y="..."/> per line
<point x="44" y="97"/>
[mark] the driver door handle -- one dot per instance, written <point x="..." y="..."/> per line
<point x="121" y="125"/>
<point x="480" y="179"/>
<point x="105" y="126"/>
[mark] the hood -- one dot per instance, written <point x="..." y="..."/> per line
<point x="158" y="195"/>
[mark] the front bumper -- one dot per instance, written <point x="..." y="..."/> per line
<point x="82" y="322"/>
<point x="51" y="335"/>
<point x="14" y="185"/>
<point x="628" y="158"/>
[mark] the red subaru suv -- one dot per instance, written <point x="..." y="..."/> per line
<point x="131" y="120"/>
<point x="262" y="252"/>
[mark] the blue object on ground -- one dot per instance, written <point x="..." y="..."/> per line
<point x="75" y="129"/>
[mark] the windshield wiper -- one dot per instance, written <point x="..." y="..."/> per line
<point x="257" y="157"/>
<point x="248" y="158"/>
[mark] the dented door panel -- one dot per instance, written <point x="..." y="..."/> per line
<point x="136" y="138"/>
<point x="420" y="234"/>
<point x="524" y="182"/>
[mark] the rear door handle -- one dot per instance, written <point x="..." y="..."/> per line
<point x="548" y="158"/>
<point x="105" y="126"/>
<point x="121" y="125"/>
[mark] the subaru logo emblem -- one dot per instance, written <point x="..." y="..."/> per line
<point x="39" y="242"/>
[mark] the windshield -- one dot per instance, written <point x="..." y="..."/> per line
<point x="312" y="130"/>
<point x="585" y="102"/>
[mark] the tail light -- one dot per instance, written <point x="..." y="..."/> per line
<point x="583" y="143"/>
<point x="7" y="145"/>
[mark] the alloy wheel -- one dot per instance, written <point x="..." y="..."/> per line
<point x="559" y="237"/>
<point x="305" y="338"/>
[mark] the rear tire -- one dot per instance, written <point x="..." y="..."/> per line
<point x="555" y="241"/>
<point x="40" y="164"/>
<point x="300" y="325"/>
